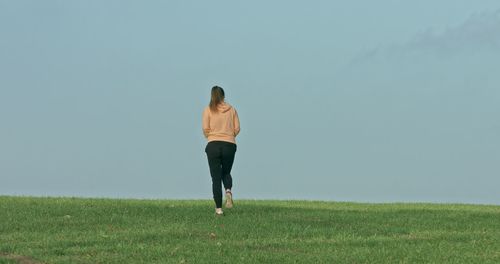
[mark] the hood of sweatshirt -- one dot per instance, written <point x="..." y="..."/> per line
<point x="224" y="107"/>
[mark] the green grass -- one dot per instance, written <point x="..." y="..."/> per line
<point x="77" y="230"/>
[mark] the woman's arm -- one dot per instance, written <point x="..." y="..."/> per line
<point x="236" y="123"/>
<point x="206" y="122"/>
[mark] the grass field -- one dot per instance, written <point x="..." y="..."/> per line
<point x="77" y="230"/>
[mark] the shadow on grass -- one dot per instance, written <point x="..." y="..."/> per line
<point x="18" y="259"/>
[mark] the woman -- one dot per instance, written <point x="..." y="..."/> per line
<point x="221" y="125"/>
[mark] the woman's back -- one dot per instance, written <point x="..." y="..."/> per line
<point x="222" y="125"/>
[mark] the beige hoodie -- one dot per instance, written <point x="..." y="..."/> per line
<point x="223" y="125"/>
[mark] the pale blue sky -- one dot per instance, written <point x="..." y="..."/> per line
<point x="372" y="101"/>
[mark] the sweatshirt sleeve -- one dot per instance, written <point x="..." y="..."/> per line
<point x="206" y="122"/>
<point x="236" y="123"/>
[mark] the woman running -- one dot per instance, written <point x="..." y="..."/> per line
<point x="221" y="125"/>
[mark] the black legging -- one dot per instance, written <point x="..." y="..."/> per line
<point x="220" y="156"/>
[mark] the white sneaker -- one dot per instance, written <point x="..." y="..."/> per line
<point x="229" y="199"/>
<point x="218" y="212"/>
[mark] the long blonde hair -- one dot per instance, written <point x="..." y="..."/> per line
<point x="216" y="98"/>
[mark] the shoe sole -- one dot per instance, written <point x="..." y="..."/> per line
<point x="229" y="201"/>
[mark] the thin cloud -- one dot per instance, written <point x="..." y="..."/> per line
<point x="479" y="32"/>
